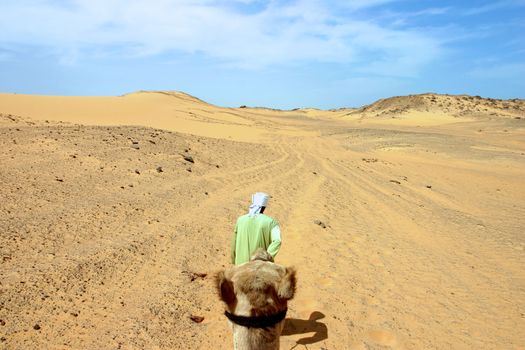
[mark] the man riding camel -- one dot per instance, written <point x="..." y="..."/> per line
<point x="255" y="230"/>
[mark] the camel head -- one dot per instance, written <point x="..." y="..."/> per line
<point x="256" y="297"/>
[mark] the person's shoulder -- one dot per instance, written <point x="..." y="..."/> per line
<point x="267" y="218"/>
<point x="242" y="217"/>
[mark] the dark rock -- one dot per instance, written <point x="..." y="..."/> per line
<point x="196" y="319"/>
<point x="189" y="158"/>
<point x="137" y="171"/>
<point x="188" y="169"/>
<point x="194" y="275"/>
<point x="2" y="323"/>
<point x="396" y="182"/>
<point x="36" y="327"/>
<point x="320" y="223"/>
<point x="159" y="169"/>
<point x="429" y="186"/>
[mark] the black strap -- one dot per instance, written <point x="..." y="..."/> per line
<point x="257" y="321"/>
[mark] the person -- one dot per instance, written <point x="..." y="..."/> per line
<point x="255" y="230"/>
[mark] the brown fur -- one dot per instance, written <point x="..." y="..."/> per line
<point x="256" y="288"/>
<point x="261" y="254"/>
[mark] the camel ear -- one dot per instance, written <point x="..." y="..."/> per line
<point x="225" y="288"/>
<point x="286" y="289"/>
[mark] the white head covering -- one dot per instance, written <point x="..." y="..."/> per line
<point x="259" y="200"/>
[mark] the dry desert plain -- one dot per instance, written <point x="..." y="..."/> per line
<point x="404" y="219"/>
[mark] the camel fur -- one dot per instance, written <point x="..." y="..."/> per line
<point x="256" y="288"/>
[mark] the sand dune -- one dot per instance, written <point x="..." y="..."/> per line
<point x="110" y="235"/>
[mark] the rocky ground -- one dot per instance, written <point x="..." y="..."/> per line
<point x="403" y="237"/>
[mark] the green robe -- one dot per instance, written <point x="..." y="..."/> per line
<point x="259" y="231"/>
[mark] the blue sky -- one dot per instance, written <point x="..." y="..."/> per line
<point x="273" y="53"/>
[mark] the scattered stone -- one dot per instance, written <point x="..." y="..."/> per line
<point x="320" y="223"/>
<point x="135" y="146"/>
<point x="369" y="160"/>
<point x="36" y="327"/>
<point x="206" y="193"/>
<point x="217" y="166"/>
<point x="159" y="169"/>
<point x="135" y="142"/>
<point x="429" y="186"/>
<point x="3" y="339"/>
<point x="2" y="323"/>
<point x="59" y="179"/>
<point x="313" y="172"/>
<point x="194" y="275"/>
<point x="196" y="319"/>
<point x="396" y="182"/>
<point x="74" y="314"/>
<point x="188" y="169"/>
<point x="189" y="158"/>
<point x="137" y="171"/>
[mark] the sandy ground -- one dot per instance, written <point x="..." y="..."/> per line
<point x="110" y="237"/>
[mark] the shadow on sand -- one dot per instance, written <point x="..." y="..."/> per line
<point x="296" y="326"/>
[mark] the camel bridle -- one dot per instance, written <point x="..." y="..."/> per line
<point x="257" y="321"/>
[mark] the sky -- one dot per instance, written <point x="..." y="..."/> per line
<point x="274" y="53"/>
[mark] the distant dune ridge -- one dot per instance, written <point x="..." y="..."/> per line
<point x="404" y="219"/>
<point x="457" y="106"/>
<point x="143" y="103"/>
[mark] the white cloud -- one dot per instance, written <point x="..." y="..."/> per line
<point x="278" y="33"/>
<point x="493" y="6"/>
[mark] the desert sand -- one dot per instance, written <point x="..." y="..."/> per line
<point x="404" y="220"/>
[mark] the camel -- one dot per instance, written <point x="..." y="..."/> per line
<point x="256" y="295"/>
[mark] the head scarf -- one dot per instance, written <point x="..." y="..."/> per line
<point x="259" y="200"/>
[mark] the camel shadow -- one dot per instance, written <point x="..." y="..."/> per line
<point x="296" y="326"/>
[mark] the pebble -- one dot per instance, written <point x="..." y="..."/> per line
<point x="320" y="223"/>
<point x="196" y="319"/>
